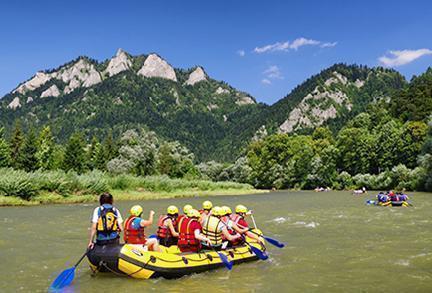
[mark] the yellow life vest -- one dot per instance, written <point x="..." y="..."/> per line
<point x="211" y="229"/>
<point x="107" y="221"/>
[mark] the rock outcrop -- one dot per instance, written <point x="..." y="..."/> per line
<point x="81" y="73"/>
<point x="221" y="91"/>
<point x="38" y="80"/>
<point x="29" y="100"/>
<point x="14" y="104"/>
<point x="246" y="100"/>
<point x="119" y="63"/>
<point x="154" y="66"/>
<point x="196" y="76"/>
<point x="52" y="91"/>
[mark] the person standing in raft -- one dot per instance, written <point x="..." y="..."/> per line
<point x="206" y="210"/>
<point x="214" y="228"/>
<point x="106" y="222"/>
<point x="134" y="229"/>
<point x="166" y="233"/>
<point x="190" y="233"/>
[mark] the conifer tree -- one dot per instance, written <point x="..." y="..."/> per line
<point x="27" y="159"/>
<point x="4" y="150"/>
<point x="16" y="144"/>
<point x="74" y="157"/>
<point x="92" y="153"/>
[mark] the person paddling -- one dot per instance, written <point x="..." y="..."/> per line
<point x="106" y="223"/>
<point x="166" y="233"/>
<point x="234" y="223"/>
<point x="134" y="229"/>
<point x="190" y="233"/>
<point x="214" y="228"/>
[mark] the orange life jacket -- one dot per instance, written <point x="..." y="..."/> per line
<point x="131" y="235"/>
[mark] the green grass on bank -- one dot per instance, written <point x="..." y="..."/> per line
<point x="22" y="188"/>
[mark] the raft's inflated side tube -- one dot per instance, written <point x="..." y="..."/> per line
<point x="135" y="261"/>
<point x="104" y="258"/>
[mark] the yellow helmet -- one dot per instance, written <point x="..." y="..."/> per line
<point x="193" y="213"/>
<point x="172" y="210"/>
<point x="241" y="209"/>
<point x="217" y="211"/>
<point x="186" y="208"/>
<point x="207" y="205"/>
<point x="136" y="210"/>
<point x="226" y="210"/>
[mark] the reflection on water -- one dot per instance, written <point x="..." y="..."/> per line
<point x="334" y="243"/>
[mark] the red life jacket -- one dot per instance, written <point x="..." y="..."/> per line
<point x="239" y="220"/>
<point x="131" y="235"/>
<point x="163" y="230"/>
<point x="179" y="218"/>
<point x="187" y="240"/>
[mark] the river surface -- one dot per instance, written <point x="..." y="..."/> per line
<point x="335" y="243"/>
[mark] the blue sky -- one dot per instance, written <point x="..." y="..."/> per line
<point x="265" y="48"/>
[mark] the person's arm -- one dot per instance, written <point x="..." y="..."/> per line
<point x="149" y="221"/>
<point x="201" y="237"/>
<point x="92" y="235"/>
<point x="171" y="227"/>
<point x="239" y="229"/>
<point x="228" y="236"/>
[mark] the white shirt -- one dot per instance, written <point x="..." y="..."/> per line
<point x="95" y="216"/>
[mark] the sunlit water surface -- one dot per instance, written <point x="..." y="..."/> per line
<point x="334" y="243"/>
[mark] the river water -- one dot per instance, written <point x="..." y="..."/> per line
<point x="335" y="243"/>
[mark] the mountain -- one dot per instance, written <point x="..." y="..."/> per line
<point x="210" y="117"/>
<point x="128" y="92"/>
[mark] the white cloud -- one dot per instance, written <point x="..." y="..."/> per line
<point x="398" y="58"/>
<point x="265" y="81"/>
<point x="294" y="45"/>
<point x="241" y="53"/>
<point x="328" y="45"/>
<point x="273" y="72"/>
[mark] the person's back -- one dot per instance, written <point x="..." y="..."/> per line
<point x="190" y="235"/>
<point x="212" y="229"/>
<point x="106" y="222"/>
<point x="166" y="233"/>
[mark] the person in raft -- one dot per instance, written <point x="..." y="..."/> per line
<point x="205" y="211"/>
<point x="190" y="233"/>
<point x="166" y="233"/>
<point x="213" y="228"/>
<point x="106" y="222"/>
<point x="186" y="208"/>
<point x="234" y="223"/>
<point x="134" y="229"/>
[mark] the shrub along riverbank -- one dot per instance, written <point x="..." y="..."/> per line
<point x="40" y="187"/>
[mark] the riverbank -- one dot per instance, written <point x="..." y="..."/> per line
<point x="19" y="188"/>
<point x="120" y="195"/>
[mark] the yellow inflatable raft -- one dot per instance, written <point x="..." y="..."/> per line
<point x="135" y="261"/>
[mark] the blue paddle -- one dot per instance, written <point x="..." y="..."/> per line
<point x="270" y="240"/>
<point x="66" y="277"/>
<point x="260" y="254"/>
<point x="228" y="264"/>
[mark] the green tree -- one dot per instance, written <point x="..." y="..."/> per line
<point x="74" y="157"/>
<point x="412" y="138"/>
<point x="16" y="144"/>
<point x="27" y="159"/>
<point x="92" y="153"/>
<point x="45" y="149"/>
<point x="388" y="145"/>
<point x="4" y="150"/>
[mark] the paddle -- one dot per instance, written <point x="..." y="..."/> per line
<point x="228" y="264"/>
<point x="66" y="277"/>
<point x="270" y="240"/>
<point x="261" y="255"/>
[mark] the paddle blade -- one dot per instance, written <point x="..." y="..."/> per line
<point x="274" y="242"/>
<point x="152" y="236"/>
<point x="64" y="279"/>
<point x="228" y="264"/>
<point x="261" y="255"/>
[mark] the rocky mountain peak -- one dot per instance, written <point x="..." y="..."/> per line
<point x="155" y="66"/>
<point x="35" y="82"/>
<point x="196" y="76"/>
<point x="120" y="62"/>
